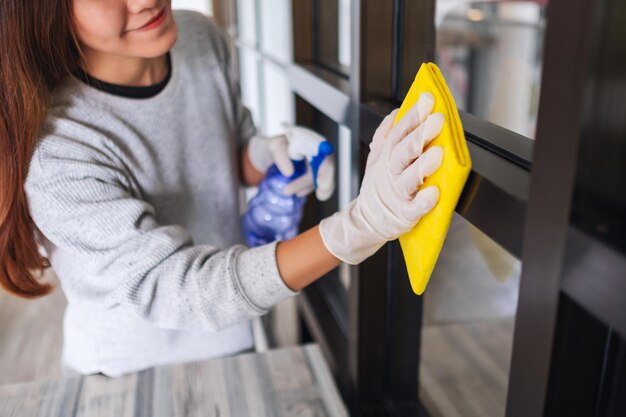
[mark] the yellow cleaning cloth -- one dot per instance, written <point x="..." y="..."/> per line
<point x="421" y="246"/>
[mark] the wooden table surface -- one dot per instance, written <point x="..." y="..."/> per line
<point x="291" y="381"/>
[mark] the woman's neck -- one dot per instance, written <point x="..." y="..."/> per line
<point x="121" y="70"/>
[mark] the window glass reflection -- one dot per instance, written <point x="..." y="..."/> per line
<point x="469" y="314"/>
<point x="490" y="53"/>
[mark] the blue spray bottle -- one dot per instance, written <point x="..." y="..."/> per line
<point x="271" y="214"/>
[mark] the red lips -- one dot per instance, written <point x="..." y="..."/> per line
<point x="155" y="21"/>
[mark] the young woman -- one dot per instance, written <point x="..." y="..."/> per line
<point x="123" y="142"/>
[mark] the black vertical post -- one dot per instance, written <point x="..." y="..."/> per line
<point x="565" y="66"/>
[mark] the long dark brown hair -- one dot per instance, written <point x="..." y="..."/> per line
<point x="38" y="49"/>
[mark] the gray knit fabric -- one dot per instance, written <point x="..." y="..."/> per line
<point x="136" y="202"/>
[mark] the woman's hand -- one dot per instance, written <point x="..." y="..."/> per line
<point x="262" y="152"/>
<point x="389" y="203"/>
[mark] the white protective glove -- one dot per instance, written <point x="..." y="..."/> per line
<point x="387" y="205"/>
<point x="264" y="151"/>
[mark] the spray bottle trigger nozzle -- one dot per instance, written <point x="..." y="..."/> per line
<point x="324" y="149"/>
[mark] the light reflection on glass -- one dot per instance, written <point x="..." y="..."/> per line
<point x="490" y="54"/>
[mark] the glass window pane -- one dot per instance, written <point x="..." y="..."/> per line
<point x="278" y="101"/>
<point x="249" y="82"/>
<point x="469" y="315"/>
<point x="322" y="34"/>
<point x="276" y="35"/>
<point x="325" y="32"/>
<point x="490" y="53"/>
<point x="344" y="34"/>
<point x="247" y="22"/>
<point x="331" y="35"/>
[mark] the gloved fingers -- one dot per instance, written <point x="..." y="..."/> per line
<point x="278" y="148"/>
<point x="326" y="179"/>
<point x="259" y="153"/>
<point x="382" y="131"/>
<point x="300" y="184"/>
<point x="303" y="185"/>
<point x="376" y="145"/>
<point x="324" y="193"/>
<point x="412" y="146"/>
<point x="413" y="177"/>
<point x="413" y="118"/>
<point x="286" y="126"/>
<point x="425" y="200"/>
<point x="306" y="135"/>
<point x="305" y="191"/>
<point x="425" y="105"/>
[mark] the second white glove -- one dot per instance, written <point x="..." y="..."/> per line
<point x="264" y="151"/>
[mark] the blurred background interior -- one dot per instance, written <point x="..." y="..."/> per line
<point x="451" y="352"/>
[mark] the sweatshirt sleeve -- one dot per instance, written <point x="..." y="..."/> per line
<point x="83" y="208"/>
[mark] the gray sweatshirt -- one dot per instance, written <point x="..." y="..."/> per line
<point x="136" y="205"/>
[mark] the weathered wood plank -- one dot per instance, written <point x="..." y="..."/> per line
<point x="324" y="381"/>
<point x="102" y="396"/>
<point x="290" y="382"/>
<point x="41" y="399"/>
<point x="31" y="336"/>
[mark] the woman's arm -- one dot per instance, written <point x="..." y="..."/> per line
<point x="249" y="174"/>
<point x="113" y="251"/>
<point x="389" y="204"/>
<point x="109" y="248"/>
<point x="304" y="259"/>
<point x="296" y="270"/>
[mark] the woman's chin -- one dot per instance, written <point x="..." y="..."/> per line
<point x="157" y="47"/>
